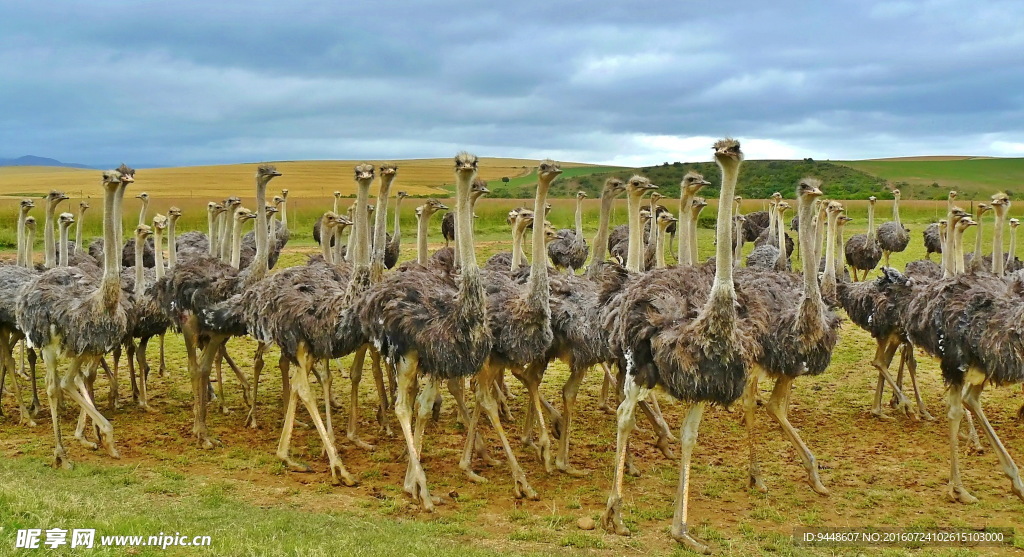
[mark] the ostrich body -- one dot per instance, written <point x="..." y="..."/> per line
<point x="862" y="250"/>
<point x="12" y="279"/>
<point x="67" y="312"/>
<point x="893" y="237"/>
<point x="696" y="344"/>
<point x="690" y="185"/>
<point x="571" y="252"/>
<point x="198" y="295"/>
<point x="755" y="224"/>
<point x="128" y="251"/>
<point x="435" y="324"/>
<point x="394" y="246"/>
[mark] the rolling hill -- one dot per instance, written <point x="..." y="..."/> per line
<point x="933" y="177"/>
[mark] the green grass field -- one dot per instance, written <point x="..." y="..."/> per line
<point x="978" y="177"/>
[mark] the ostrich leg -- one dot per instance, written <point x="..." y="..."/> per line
<point x="972" y="400"/>
<point x="73" y="384"/>
<point x="778" y="408"/>
<point x="569" y="392"/>
<point x="911" y="361"/>
<point x="129" y="347"/>
<point x="220" y="386"/>
<point x="355" y="376"/>
<point x="6" y="353"/>
<point x="238" y="373"/>
<point x="382" y="392"/>
<point x="113" y="375"/>
<point x="688" y="439"/>
<point x="750" y="420"/>
<point x="415" y="479"/>
<point x="36" y="408"/>
<point x="257" y="368"/>
<point x="611" y="520"/>
<point x="607" y="385"/>
<point x="531" y="377"/>
<point x="884" y="353"/>
<point x="55" y="396"/>
<point x="143" y="364"/>
<point x="300" y="388"/>
<point x="163" y="362"/>
<point x="83" y="417"/>
<point x="956" y="489"/>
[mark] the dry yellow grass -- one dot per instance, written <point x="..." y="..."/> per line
<point x="304" y="179"/>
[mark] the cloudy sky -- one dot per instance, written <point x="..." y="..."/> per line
<point x="182" y="82"/>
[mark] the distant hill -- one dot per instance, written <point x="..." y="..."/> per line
<point x="32" y="160"/>
<point x="932" y="178"/>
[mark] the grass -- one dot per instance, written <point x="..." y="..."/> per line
<point x="974" y="176"/>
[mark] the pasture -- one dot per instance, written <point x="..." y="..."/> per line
<point x="973" y="176"/>
<point x="881" y="473"/>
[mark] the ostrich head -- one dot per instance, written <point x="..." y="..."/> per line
<point x="833" y="207"/>
<point x="524" y="217"/>
<point x="160" y="222"/>
<point x="655" y="196"/>
<point x="952" y="195"/>
<point x="637" y="186"/>
<point x="478" y="189"/>
<point x="27" y="204"/>
<point x="983" y="208"/>
<point x="665" y="219"/>
<point x="777" y="197"/>
<point x="465" y="164"/>
<point x="364" y="173"/>
<point x="696" y="206"/>
<point x="54" y="198"/>
<point x="872" y="200"/>
<point x="271" y="209"/>
<point x="965" y="223"/>
<point x="142" y="232"/>
<point x="1014" y="223"/>
<point x="402" y="195"/>
<point x="1000" y="204"/>
<point x="645" y="214"/>
<point x="265" y="173"/>
<point x="896" y="194"/>
<point x="30" y="223"/>
<point x="613" y="187"/>
<point x="337" y="194"/>
<point x="843" y="219"/>
<point x="430" y="207"/>
<point x="242" y="214"/>
<point x="581" y="195"/>
<point x="127" y="173"/>
<point x="808" y="189"/>
<point x="143" y="196"/>
<point x="943" y="225"/>
<point x="65" y="220"/>
<point x="111" y="179"/>
<point x="692" y="183"/>
<point x="893" y="282"/>
<point x="174" y="213"/>
<point x="343" y="221"/>
<point x="551" y="234"/>
<point x="284" y="193"/>
<point x="83" y="205"/>
<point x="331" y="220"/>
<point x="548" y="170"/>
<point x="782" y="207"/>
<point x="511" y="217"/>
<point x="232" y="203"/>
<point x="278" y="200"/>
<point x="219" y="208"/>
<point x="728" y="153"/>
<point x="211" y="207"/>
<point x="388" y="169"/>
<point x="547" y="209"/>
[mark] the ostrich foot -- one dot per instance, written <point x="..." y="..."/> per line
<point x="359" y="442"/>
<point x="522" y="488"/>
<point x="250" y="419"/>
<point x="877" y="412"/>
<point x="815" y="482"/>
<point x="85" y="442"/>
<point x="690" y="542"/>
<point x="473" y="476"/>
<point x="958" y="494"/>
<point x="756" y="482"/>
<point x="416" y="487"/>
<point x="570" y="470"/>
<point x="663" y="445"/>
<point x="207" y="442"/>
<point x="341" y="476"/>
<point x="611" y="520"/>
<point x="107" y="441"/>
<point x="147" y="408"/>
<point x="61" y="460"/>
<point x="607" y="408"/>
<point x="922" y="414"/>
<point x="35" y="409"/>
<point x="903" y="406"/>
<point x="26" y="418"/>
<point x="294" y="465"/>
<point x="543" y="450"/>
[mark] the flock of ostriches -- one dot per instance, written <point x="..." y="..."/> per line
<point x="704" y="332"/>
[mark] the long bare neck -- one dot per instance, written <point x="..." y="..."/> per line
<point x="692" y="236"/>
<point x="977" y="240"/>
<point x="337" y="256"/>
<point x="336" y="199"/>
<point x="212" y="223"/>
<point x="659" y="247"/>
<point x="236" y="243"/>
<point x="896" y="210"/>
<point x="723" y="291"/>
<point x="518" y="257"/>
<point x="805" y="235"/>
<point x="110" y="286"/>
<point x="839" y="247"/>
<point x="684" y="254"/>
<point x="828" y="282"/>
<point x="172" y="248"/>
<point x="158" y="253"/>
<point x="579" y="219"/>
<point x="538" y="283"/>
<point x="600" y="246"/>
<point x="380" y="228"/>
<point x="64" y="230"/>
<point x="397" y="236"/>
<point x="140" y="276"/>
<point x="224" y="234"/>
<point x="1011" y="253"/>
<point x="325" y="245"/>
<point x="48" y="241"/>
<point x="30" y="245"/>
<point x="871" y="221"/>
<point x="958" y="240"/>
<point x="819" y="232"/>
<point x="422" y="226"/>
<point x="142" y="211"/>
<point x="772" y="212"/>
<point x="737" y="234"/>
<point x="997" y="246"/>
<point x="284" y="214"/>
<point x="634" y="258"/>
<point x="22" y="215"/>
<point x="79" y="224"/>
<point x="780" y="263"/>
<point x="260" y="262"/>
<point x="471" y="290"/>
<point x="349" y="253"/>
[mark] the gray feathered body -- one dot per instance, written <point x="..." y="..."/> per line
<point x="196" y="284"/>
<point x="932" y="239"/>
<point x="763" y="239"/>
<point x="763" y="257"/>
<point x="568" y="251"/>
<point x="755" y="223"/>
<point x="872" y="306"/>
<point x="448" y="227"/>
<point x="893" y="237"/>
<point x="12" y="279"/>
<point x="191" y="243"/>
<point x="924" y="269"/>
<point x="861" y="253"/>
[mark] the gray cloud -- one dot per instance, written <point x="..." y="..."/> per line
<point x="185" y="82"/>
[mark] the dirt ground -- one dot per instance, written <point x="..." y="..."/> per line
<point x="881" y="473"/>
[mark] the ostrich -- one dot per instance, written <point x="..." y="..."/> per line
<point x="394" y="246"/>
<point x="83" y="206"/>
<point x="448" y="221"/>
<point x="24" y="258"/>
<point x="64" y="222"/>
<point x="697" y="344"/>
<point x="128" y="251"/>
<point x="436" y="324"/>
<point x="571" y="253"/>
<point x="306" y="310"/>
<point x="278" y="235"/>
<point x="803" y="334"/>
<point x="53" y="199"/>
<point x="12" y="278"/>
<point x="223" y="235"/>
<point x="664" y="220"/>
<point x="767" y="256"/>
<point x="318" y="225"/>
<point x="862" y="250"/>
<point x="198" y="295"/>
<point x="893" y="237"/>
<point x="423" y="214"/>
<point x="768" y="236"/>
<point x="1012" y="263"/>
<point x="755" y="224"/>
<point x="194" y="241"/>
<point x="690" y="185"/>
<point x="696" y="206"/>
<point x="932" y="240"/>
<point x="64" y="311"/>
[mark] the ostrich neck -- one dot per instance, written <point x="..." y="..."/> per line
<point x="172" y="248"/>
<point x="518" y="258"/>
<point x="48" y="241"/>
<point x="896" y="211"/>
<point x="380" y="227"/>
<point x="22" y="215"/>
<point x="579" y="220"/>
<point x="336" y="255"/>
<point x="283" y="211"/>
<point x="397" y="236"/>
<point x="236" y="243"/>
<point x="772" y="213"/>
<point x="471" y="290"/>
<point x="422" y="222"/>
<point x="819" y="232"/>
<point x="158" y="253"/>
<point x="737" y="231"/>
<point x="692" y="240"/>
<point x="64" y="230"/>
<point x="335" y="209"/>
<point x="110" y="287"/>
<point x="683" y="254"/>
<point x="223" y="235"/>
<point x="142" y="211"/>
<point x="30" y="244"/>
<point x="537" y="286"/>
<point x="1011" y="253"/>
<point x="258" y="267"/>
<point x="871" y="221"/>
<point x="958" y="240"/>
<point x="140" y="276"/>
<point x="601" y="239"/>
<point x="723" y="291"/>
<point x="636" y="234"/>
<point x="659" y="247"/>
<point x="977" y="241"/>
<point x="119" y="223"/>
<point x="79" y="224"/>
<point x="653" y="224"/>
<point x="781" y="233"/>
<point x="358" y="251"/>
<point x="839" y="247"/>
<point x="211" y="225"/>
<point x="829" y="280"/>
<point x="805" y="235"/>
<point x="325" y="245"/>
<point x="997" y="246"/>
<point x="349" y="253"/>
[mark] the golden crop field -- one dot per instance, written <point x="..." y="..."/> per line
<point x="304" y="179"/>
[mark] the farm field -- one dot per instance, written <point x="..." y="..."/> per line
<point x="881" y="473"/>
<point x="973" y="175"/>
